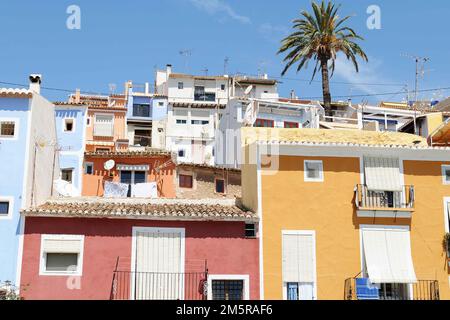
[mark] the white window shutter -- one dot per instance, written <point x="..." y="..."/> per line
<point x="298" y="258"/>
<point x="62" y="246"/>
<point x="383" y="174"/>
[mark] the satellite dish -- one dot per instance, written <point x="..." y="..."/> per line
<point x="248" y="90"/>
<point x="109" y="164"/>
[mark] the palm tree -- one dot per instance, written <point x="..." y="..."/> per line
<point x="320" y="36"/>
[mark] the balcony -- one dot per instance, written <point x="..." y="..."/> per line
<point x="205" y="97"/>
<point x="384" y="204"/>
<point x="424" y="290"/>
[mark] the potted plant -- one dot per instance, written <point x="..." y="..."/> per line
<point x="446" y="244"/>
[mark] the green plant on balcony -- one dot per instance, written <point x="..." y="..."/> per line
<point x="446" y="244"/>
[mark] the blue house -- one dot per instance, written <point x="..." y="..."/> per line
<point x="71" y="122"/>
<point x="28" y="164"/>
<point x="146" y="117"/>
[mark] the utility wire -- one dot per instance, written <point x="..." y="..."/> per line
<point x="302" y="98"/>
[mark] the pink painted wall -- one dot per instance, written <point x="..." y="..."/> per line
<point x="222" y="244"/>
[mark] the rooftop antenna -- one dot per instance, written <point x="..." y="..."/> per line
<point x="206" y="70"/>
<point x="225" y="65"/>
<point x="420" y="72"/>
<point x="112" y="88"/>
<point x="186" y="53"/>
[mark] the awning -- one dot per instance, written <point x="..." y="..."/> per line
<point x="129" y="167"/>
<point x="387" y="254"/>
<point x="382" y="174"/>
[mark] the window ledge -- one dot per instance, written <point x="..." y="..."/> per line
<point x="385" y="212"/>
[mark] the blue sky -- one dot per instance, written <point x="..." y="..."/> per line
<point x="121" y="41"/>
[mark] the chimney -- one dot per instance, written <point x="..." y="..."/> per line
<point x="293" y="95"/>
<point x="35" y="83"/>
<point x="169" y="69"/>
<point x="265" y="76"/>
<point x="77" y="96"/>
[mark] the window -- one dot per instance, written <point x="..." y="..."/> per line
<point x="220" y="186"/>
<point x="104" y="125"/>
<point x="314" y="171"/>
<point x="6" y="207"/>
<point x="88" y="121"/>
<point x="102" y="150"/>
<point x="181" y="153"/>
<point x="69" y="125"/>
<point x="186" y="181"/>
<point x="228" y="287"/>
<point x="141" y="110"/>
<point x="222" y="87"/>
<point x="250" y="230"/>
<point x="88" y="168"/>
<point x="61" y="255"/>
<point x="262" y="123"/>
<point x="291" y="125"/>
<point x="200" y="122"/>
<point x="8" y="129"/>
<point x="161" y="104"/>
<point x="180" y="85"/>
<point x="131" y="178"/>
<point x="446" y="174"/>
<point x="143" y="138"/>
<point x="299" y="265"/>
<point x="67" y="175"/>
<point x="180" y="121"/>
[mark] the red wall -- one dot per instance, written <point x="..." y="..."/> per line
<point x="222" y="244"/>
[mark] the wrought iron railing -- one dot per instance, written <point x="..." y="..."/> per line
<point x="367" y="199"/>
<point x="421" y="290"/>
<point x="129" y="285"/>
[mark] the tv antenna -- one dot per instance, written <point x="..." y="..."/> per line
<point x="112" y="88"/>
<point x="420" y="70"/>
<point x="226" y="61"/>
<point x="186" y="53"/>
<point x="206" y="70"/>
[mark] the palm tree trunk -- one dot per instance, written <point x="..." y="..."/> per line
<point x="326" y="87"/>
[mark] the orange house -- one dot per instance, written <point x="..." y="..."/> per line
<point x="106" y="122"/>
<point x="130" y="167"/>
<point x="349" y="215"/>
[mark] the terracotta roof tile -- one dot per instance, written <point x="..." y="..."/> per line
<point x="129" y="153"/>
<point x="161" y="209"/>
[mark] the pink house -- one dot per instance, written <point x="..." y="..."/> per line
<point x="92" y="248"/>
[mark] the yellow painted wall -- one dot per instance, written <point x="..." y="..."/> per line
<point x="290" y="203"/>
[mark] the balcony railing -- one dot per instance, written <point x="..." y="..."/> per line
<point x="422" y="290"/>
<point x="207" y="97"/>
<point x="131" y="285"/>
<point x="379" y="200"/>
<point x="143" y="141"/>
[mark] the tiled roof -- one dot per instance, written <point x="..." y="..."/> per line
<point x="129" y="153"/>
<point x="205" y="166"/>
<point x="10" y="92"/>
<point x="335" y="137"/>
<point x="162" y="209"/>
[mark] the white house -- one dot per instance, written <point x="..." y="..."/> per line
<point x="195" y="107"/>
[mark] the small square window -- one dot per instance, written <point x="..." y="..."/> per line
<point x="161" y="104"/>
<point x="4" y="208"/>
<point x="7" y="129"/>
<point x="313" y="171"/>
<point x="89" y="168"/>
<point x="68" y="125"/>
<point x="222" y="87"/>
<point x="61" y="262"/>
<point x="181" y="153"/>
<point x="220" y="186"/>
<point x="88" y="121"/>
<point x="180" y="121"/>
<point x="446" y="174"/>
<point x="66" y="175"/>
<point x="186" y="181"/>
<point x="250" y="230"/>
<point x="180" y="85"/>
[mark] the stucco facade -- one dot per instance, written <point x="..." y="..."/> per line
<point x="287" y="202"/>
<point x="221" y="244"/>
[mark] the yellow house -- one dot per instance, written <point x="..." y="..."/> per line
<point x="348" y="214"/>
